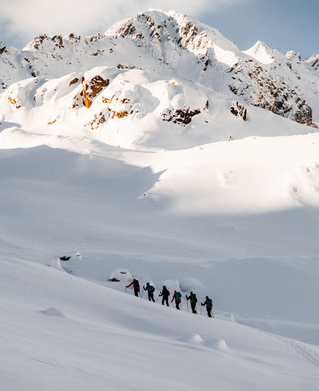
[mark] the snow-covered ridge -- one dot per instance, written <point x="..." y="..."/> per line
<point x="261" y="52"/>
<point x="313" y="62"/>
<point x="130" y="107"/>
<point x="171" y="29"/>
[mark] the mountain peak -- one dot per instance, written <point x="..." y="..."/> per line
<point x="262" y="53"/>
<point x="166" y="31"/>
<point x="291" y="55"/>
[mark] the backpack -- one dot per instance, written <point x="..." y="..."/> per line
<point x="209" y="303"/>
<point x="151" y="289"/>
<point x="178" y="296"/>
<point x="136" y="284"/>
<point x="193" y="298"/>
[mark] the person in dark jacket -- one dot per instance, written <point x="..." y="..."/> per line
<point x="136" y="286"/>
<point x="209" y="305"/>
<point x="165" y="293"/>
<point x="193" y="299"/>
<point x="178" y="298"/>
<point x="150" y="290"/>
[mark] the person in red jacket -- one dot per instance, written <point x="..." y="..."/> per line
<point x="136" y="286"/>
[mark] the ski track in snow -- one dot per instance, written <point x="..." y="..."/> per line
<point x="307" y="353"/>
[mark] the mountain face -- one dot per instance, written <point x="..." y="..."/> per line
<point x="161" y="65"/>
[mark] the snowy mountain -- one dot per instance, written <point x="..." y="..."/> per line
<point x="153" y="151"/>
<point x="176" y="46"/>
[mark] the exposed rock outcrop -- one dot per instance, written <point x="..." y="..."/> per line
<point x="182" y="116"/>
<point x="3" y="48"/>
<point x="115" y="108"/>
<point x="179" y="116"/>
<point x="73" y="81"/>
<point x="239" y="110"/>
<point x="304" y="115"/>
<point x="314" y="62"/>
<point x="91" y="88"/>
<point x="263" y="90"/>
<point x="14" y="101"/>
<point x="43" y="42"/>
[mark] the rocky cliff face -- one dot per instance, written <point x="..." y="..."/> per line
<point x="92" y="88"/>
<point x="175" y="45"/>
<point x="3" y="48"/>
<point x="259" y="87"/>
<point x="313" y="62"/>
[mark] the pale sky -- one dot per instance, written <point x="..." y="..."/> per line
<point x="281" y="24"/>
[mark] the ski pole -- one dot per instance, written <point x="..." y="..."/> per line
<point x="201" y="309"/>
<point x="187" y="305"/>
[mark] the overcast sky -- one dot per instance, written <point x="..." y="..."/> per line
<point x="281" y="24"/>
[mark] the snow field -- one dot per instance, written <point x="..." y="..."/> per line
<point x="84" y="330"/>
<point x="79" y="335"/>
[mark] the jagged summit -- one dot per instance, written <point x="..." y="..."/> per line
<point x="313" y="63"/>
<point x="293" y="56"/>
<point x="168" y="32"/>
<point x="176" y="24"/>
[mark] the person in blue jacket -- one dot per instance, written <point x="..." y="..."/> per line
<point x="150" y="290"/>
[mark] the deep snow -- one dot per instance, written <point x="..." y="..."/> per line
<point x="65" y="326"/>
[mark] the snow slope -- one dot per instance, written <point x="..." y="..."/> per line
<point x="83" y="336"/>
<point x="82" y="198"/>
<point x="133" y="108"/>
<point x="131" y="173"/>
